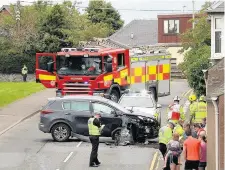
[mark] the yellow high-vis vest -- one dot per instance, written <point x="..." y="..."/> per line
<point x="199" y="112"/>
<point x="165" y="135"/>
<point x="93" y="130"/>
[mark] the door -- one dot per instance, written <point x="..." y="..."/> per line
<point x="108" y="118"/>
<point x="42" y="75"/>
<point x="79" y="113"/>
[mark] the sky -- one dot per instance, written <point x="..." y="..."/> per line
<point x="130" y="9"/>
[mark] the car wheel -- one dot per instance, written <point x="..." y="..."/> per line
<point x="60" y="132"/>
<point x="114" y="96"/>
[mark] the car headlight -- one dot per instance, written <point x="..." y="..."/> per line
<point x="140" y="117"/>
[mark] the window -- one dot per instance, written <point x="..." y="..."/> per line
<point x="218" y="23"/>
<point x="121" y="60"/>
<point x="43" y="60"/>
<point x="101" y="108"/>
<point x="218" y="42"/>
<point x="171" y="26"/>
<point x="76" y="106"/>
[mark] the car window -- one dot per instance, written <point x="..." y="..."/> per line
<point x="101" y="108"/>
<point x="66" y="105"/>
<point x="76" y="106"/>
<point x="127" y="101"/>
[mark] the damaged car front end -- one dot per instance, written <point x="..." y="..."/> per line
<point x="137" y="129"/>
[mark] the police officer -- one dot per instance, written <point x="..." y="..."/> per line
<point x="95" y="128"/>
<point x="199" y="110"/>
<point x="165" y="135"/>
<point x="24" y="73"/>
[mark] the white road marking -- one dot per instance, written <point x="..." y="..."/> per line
<point x="57" y="169"/>
<point x="79" y="144"/>
<point x="68" y="157"/>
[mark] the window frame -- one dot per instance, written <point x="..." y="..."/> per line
<point x="74" y="101"/>
<point x="105" y="104"/>
<point x="167" y="21"/>
<point x="215" y="31"/>
<point x="123" y="60"/>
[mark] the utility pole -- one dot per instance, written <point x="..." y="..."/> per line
<point x="193" y="15"/>
<point x="184" y="8"/>
<point x="18" y="15"/>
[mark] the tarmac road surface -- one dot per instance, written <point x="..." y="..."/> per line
<point x="24" y="147"/>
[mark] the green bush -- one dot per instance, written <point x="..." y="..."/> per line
<point x="13" y="63"/>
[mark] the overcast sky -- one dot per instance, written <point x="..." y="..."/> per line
<point x="137" y="5"/>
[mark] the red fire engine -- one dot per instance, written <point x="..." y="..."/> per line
<point x="97" y="71"/>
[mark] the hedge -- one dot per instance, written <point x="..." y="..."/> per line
<point x="13" y="63"/>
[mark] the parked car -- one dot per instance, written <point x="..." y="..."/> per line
<point x="141" y="101"/>
<point x="67" y="116"/>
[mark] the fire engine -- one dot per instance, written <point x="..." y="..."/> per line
<point x="103" y="71"/>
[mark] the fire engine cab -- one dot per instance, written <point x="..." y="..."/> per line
<point x="100" y="71"/>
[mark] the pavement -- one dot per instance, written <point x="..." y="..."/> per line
<point x="24" y="147"/>
<point x="21" y="109"/>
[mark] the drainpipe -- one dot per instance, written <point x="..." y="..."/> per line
<point x="214" y="100"/>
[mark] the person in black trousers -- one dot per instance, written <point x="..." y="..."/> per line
<point x="95" y="128"/>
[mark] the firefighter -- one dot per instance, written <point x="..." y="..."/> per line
<point x="24" y="73"/>
<point x="192" y="98"/>
<point x="95" y="128"/>
<point x="175" y="112"/>
<point x="198" y="110"/>
<point x="165" y="135"/>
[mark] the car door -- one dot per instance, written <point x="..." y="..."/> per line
<point x="80" y="113"/>
<point x="108" y="118"/>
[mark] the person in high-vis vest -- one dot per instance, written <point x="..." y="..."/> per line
<point x="175" y="111"/>
<point x="95" y="128"/>
<point x="24" y="72"/>
<point x="165" y="135"/>
<point x="193" y="100"/>
<point x="199" y="111"/>
<point x="178" y="129"/>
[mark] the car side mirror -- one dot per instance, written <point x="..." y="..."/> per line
<point x="50" y="66"/>
<point x="159" y="106"/>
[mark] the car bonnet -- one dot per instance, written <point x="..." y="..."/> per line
<point x="140" y="111"/>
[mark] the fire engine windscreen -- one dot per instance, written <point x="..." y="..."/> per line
<point x="79" y="65"/>
<point x="131" y="102"/>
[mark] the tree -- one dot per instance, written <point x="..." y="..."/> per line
<point x="197" y="58"/>
<point x="103" y="12"/>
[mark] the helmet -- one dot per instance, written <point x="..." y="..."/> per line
<point x="202" y="98"/>
<point x="192" y="97"/>
<point x="176" y="98"/>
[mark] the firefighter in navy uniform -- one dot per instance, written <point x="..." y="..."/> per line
<point x="95" y="128"/>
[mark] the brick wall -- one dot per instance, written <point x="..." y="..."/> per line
<point x="221" y="132"/>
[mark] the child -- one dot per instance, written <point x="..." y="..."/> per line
<point x="173" y="154"/>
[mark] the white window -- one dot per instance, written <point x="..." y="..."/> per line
<point x="171" y="26"/>
<point x="102" y="109"/>
<point x="218" y="34"/>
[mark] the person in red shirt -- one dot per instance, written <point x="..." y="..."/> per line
<point x="191" y="151"/>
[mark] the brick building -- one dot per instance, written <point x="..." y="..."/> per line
<point x="215" y="90"/>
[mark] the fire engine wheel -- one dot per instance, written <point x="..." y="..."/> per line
<point x="114" y="96"/>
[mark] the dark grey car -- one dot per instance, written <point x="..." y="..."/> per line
<point x="67" y="116"/>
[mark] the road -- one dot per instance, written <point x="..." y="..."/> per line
<point x="26" y="148"/>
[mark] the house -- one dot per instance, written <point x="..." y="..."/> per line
<point x="170" y="26"/>
<point x="137" y="33"/>
<point x="214" y="78"/>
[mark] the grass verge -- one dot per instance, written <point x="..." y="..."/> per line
<point x="12" y="91"/>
